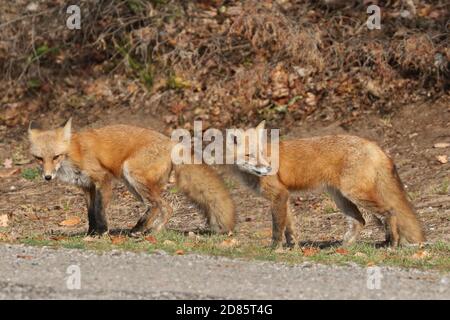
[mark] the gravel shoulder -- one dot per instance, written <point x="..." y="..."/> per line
<point x="42" y="273"/>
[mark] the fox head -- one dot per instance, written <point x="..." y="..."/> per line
<point x="250" y="150"/>
<point x="49" y="147"/>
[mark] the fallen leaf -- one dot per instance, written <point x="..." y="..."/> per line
<point x="436" y="145"/>
<point x="311" y="99"/>
<point x="8" y="163"/>
<point x="169" y="243"/>
<point x="341" y="251"/>
<point x="151" y="239"/>
<point x="179" y="252"/>
<point x="421" y="254"/>
<point x="118" y="239"/>
<point x="264" y="233"/>
<point x="20" y="256"/>
<point x="3" y="236"/>
<point x="191" y="234"/>
<point x="442" y="159"/>
<point x="9" y="172"/>
<point x="280" y="250"/>
<point x="229" y="243"/>
<point x="309" y="252"/>
<point x="70" y="222"/>
<point x="89" y="239"/>
<point x="370" y="264"/>
<point x="4" y="220"/>
<point x="360" y="254"/>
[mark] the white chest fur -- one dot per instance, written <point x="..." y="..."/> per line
<point x="69" y="173"/>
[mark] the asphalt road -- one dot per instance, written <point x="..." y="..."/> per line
<point x="44" y="273"/>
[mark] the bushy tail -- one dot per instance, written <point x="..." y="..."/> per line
<point x="205" y="187"/>
<point x="395" y="198"/>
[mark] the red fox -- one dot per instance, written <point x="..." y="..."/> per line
<point x="352" y="169"/>
<point x="141" y="158"/>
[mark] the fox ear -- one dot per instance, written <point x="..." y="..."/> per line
<point x="261" y="125"/>
<point x="33" y="127"/>
<point x="67" y="129"/>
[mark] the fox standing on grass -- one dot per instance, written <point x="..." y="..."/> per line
<point x="352" y="169"/>
<point x="141" y="158"/>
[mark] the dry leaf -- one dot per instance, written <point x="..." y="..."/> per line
<point x="3" y="236"/>
<point x="89" y="239"/>
<point x="169" y="243"/>
<point x="70" y="222"/>
<point x="179" y="252"/>
<point x="360" y="254"/>
<point x="8" y="163"/>
<point x="118" y="239"/>
<point x="342" y="251"/>
<point x="264" y="233"/>
<point x="442" y="159"/>
<point x="3" y="220"/>
<point x="441" y="145"/>
<point x="9" y="172"/>
<point x="421" y="254"/>
<point x="308" y="252"/>
<point x="151" y="239"/>
<point x="311" y="99"/>
<point x="20" y="256"/>
<point x="280" y="250"/>
<point x="370" y="264"/>
<point x="229" y="243"/>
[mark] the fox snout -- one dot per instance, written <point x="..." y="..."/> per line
<point x="48" y="171"/>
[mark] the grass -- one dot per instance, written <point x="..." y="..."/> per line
<point x="434" y="256"/>
<point x="443" y="188"/>
<point x="30" y="173"/>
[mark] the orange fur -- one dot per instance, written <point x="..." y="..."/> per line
<point x="356" y="171"/>
<point x="142" y="159"/>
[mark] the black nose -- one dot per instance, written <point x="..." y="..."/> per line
<point x="48" y="178"/>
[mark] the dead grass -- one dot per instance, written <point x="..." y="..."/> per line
<point x="235" y="62"/>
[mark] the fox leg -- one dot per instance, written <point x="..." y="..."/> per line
<point x="98" y="196"/>
<point x="151" y="208"/>
<point x="146" y="185"/>
<point x="290" y="233"/>
<point x="354" y="217"/>
<point x="391" y="227"/>
<point x="89" y="194"/>
<point x="273" y="190"/>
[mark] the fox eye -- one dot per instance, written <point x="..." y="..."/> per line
<point x="38" y="158"/>
<point x="56" y="157"/>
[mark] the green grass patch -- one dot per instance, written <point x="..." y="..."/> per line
<point x="434" y="256"/>
<point x="30" y="173"/>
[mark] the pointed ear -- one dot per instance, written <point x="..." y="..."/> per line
<point x="261" y="125"/>
<point x="67" y="129"/>
<point x="33" y="127"/>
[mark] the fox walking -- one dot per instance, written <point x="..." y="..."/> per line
<point x="353" y="170"/>
<point x="141" y="158"/>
